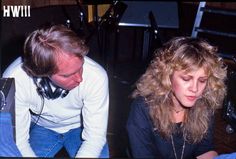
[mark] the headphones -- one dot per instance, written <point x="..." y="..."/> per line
<point x="44" y="88"/>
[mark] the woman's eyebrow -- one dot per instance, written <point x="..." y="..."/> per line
<point x="204" y="77"/>
<point x="192" y="75"/>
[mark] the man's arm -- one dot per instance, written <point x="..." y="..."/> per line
<point x="95" y="116"/>
<point x="22" y="114"/>
<point x="22" y="130"/>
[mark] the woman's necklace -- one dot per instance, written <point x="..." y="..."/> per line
<point x="173" y="146"/>
<point x="177" y="111"/>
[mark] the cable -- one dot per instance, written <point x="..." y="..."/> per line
<point x="2" y="100"/>
<point x="39" y="115"/>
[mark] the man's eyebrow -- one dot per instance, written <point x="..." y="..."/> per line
<point x="67" y="74"/>
<point x="75" y="71"/>
<point x="72" y="72"/>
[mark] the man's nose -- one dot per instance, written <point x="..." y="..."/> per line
<point x="78" y="77"/>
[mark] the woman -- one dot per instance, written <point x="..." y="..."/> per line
<point x="175" y="100"/>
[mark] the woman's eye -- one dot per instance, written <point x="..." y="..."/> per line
<point x="185" y="78"/>
<point x="203" y="81"/>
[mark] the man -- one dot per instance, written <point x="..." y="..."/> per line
<point x="61" y="96"/>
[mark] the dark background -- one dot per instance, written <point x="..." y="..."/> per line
<point x="120" y="51"/>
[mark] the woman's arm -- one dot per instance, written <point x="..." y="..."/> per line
<point x="206" y="147"/>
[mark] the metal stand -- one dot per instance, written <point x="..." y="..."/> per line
<point x="197" y="24"/>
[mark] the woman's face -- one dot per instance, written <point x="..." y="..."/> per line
<point x="187" y="87"/>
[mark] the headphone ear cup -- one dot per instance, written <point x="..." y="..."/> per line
<point x="44" y="89"/>
<point x="38" y="83"/>
<point x="48" y="93"/>
<point x="64" y="93"/>
<point x="57" y="93"/>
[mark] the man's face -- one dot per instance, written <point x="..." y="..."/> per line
<point x="187" y="87"/>
<point x="70" y="70"/>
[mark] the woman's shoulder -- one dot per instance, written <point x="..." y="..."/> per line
<point x="139" y="103"/>
<point x="139" y="110"/>
<point x="139" y="117"/>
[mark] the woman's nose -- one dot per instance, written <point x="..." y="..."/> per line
<point x="194" y="86"/>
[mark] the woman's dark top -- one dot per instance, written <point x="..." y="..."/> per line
<point x="147" y="143"/>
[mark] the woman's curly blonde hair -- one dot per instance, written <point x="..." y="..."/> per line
<point x="183" y="53"/>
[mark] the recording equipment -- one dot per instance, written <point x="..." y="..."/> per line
<point x="68" y="23"/>
<point x="137" y="14"/>
<point x="113" y="15"/>
<point x="77" y="24"/>
<point x="81" y="14"/>
<point x="7" y="98"/>
<point x="44" y="88"/>
<point x="229" y="105"/>
<point x="154" y="30"/>
<point x="155" y="38"/>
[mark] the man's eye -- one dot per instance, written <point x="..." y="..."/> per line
<point x="66" y="76"/>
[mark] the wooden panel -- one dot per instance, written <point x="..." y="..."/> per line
<point x="42" y="3"/>
<point x="220" y="5"/>
<point x="101" y="9"/>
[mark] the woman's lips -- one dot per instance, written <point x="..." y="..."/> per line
<point x="191" y="98"/>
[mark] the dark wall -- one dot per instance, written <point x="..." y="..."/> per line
<point x="15" y="30"/>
